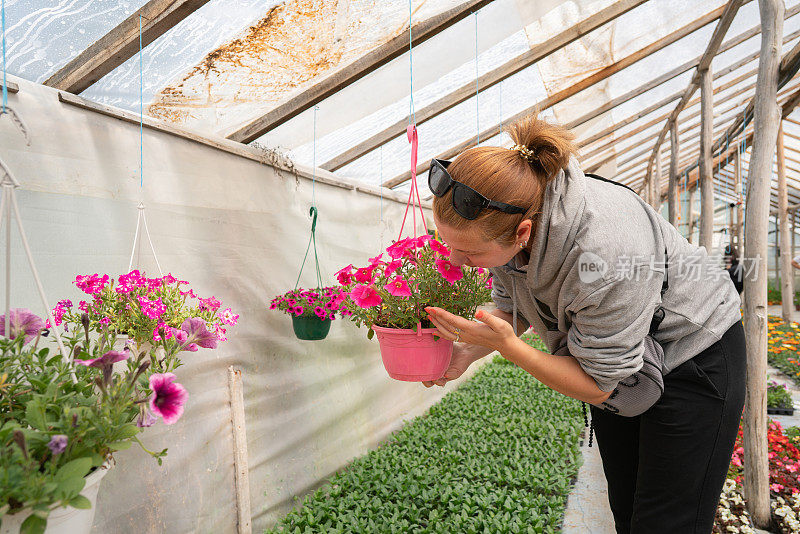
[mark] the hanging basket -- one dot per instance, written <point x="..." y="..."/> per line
<point x="311" y="328"/>
<point x="413" y="355"/>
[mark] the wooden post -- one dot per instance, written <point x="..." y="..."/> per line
<point x="785" y="257"/>
<point x="706" y="171"/>
<point x="737" y="180"/>
<point x="766" y="115"/>
<point x="672" y="189"/>
<point x="690" y="214"/>
<point x="240" y="451"/>
<point x="657" y="183"/>
<point x="776" y="252"/>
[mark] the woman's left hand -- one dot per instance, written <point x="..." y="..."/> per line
<point x="491" y="332"/>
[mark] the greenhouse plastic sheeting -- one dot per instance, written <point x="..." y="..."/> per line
<point x="236" y="229"/>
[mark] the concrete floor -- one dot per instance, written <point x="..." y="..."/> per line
<point x="587" y="506"/>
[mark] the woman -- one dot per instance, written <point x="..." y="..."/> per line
<point x="734" y="268"/>
<point x="582" y="260"/>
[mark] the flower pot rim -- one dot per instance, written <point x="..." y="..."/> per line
<point x="405" y="330"/>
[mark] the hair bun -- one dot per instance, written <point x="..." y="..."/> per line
<point x="547" y="147"/>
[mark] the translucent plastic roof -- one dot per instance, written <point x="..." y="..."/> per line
<point x="231" y="62"/>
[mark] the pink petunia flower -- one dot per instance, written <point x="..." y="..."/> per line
<point x="228" y="317"/>
<point x="391" y="267"/>
<point x="776" y="487"/>
<point x="376" y="260"/>
<point x="365" y="275"/>
<point x="398" y="287"/>
<point x="210" y="303"/>
<point x="320" y="312"/>
<point x="449" y="272"/>
<point x="344" y="275"/>
<point x="365" y="296"/>
<point x="168" y="397"/>
<point x="91" y="284"/>
<point x="402" y="248"/>
<point x="439" y="248"/>
<point x="152" y="309"/>
<point x="22" y="322"/>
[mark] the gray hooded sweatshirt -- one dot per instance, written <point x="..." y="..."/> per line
<point x="593" y="281"/>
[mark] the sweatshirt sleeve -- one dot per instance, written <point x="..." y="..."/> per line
<point x="500" y="296"/>
<point x="609" y="326"/>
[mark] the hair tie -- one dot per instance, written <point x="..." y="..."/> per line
<point x="526" y="152"/>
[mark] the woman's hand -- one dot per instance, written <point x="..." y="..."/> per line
<point x="463" y="356"/>
<point x="491" y="332"/>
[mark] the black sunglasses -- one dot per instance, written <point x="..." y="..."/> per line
<point x="466" y="201"/>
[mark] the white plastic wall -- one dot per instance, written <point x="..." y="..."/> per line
<point x="236" y="229"/>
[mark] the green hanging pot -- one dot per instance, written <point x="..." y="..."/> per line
<point x="311" y="328"/>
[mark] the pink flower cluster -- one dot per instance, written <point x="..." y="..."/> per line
<point x="324" y="303"/>
<point x="137" y="302"/>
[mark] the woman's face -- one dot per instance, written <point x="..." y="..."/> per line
<point x="470" y="248"/>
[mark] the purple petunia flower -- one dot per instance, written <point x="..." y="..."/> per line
<point x="198" y="334"/>
<point x="145" y="419"/>
<point x="106" y="360"/>
<point x="22" y="322"/>
<point x="168" y="397"/>
<point x="58" y="444"/>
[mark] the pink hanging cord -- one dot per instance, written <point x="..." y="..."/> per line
<point x="413" y="194"/>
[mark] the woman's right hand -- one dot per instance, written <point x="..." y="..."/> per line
<point x="463" y="356"/>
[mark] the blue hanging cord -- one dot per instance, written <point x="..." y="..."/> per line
<point x="500" y="101"/>
<point x="3" y="30"/>
<point x="314" y="160"/>
<point x="313" y="212"/>
<point x="141" y="109"/>
<point x="477" y="92"/>
<point x="412" y="117"/>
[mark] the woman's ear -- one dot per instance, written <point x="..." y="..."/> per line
<point x="524" y="231"/>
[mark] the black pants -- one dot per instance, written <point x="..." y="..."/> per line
<point x="665" y="468"/>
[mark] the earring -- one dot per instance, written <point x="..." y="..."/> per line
<point x="522" y="245"/>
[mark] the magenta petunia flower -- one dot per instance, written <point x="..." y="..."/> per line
<point x="365" y="274"/>
<point x="449" y="272"/>
<point x="398" y="287"/>
<point x="91" y="284"/>
<point x="298" y="310"/>
<point x="57" y="444"/>
<point x="106" y="360"/>
<point x="365" y="296"/>
<point x="320" y="312"/>
<point x="168" y="397"/>
<point x="402" y="248"/>
<point x="391" y="267"/>
<point x="22" y="322"/>
<point x="153" y="309"/>
<point x="344" y="275"/>
<point x="376" y="260"/>
<point x="438" y="247"/>
<point x="198" y="334"/>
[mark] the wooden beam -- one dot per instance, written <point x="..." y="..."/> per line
<point x="677" y="71"/>
<point x="573" y="89"/>
<point x="340" y="78"/>
<point x="787" y="285"/>
<point x="11" y="86"/>
<point x="672" y="195"/>
<point x="766" y="118"/>
<point x="785" y="91"/>
<point x="491" y="78"/>
<point x="706" y="178"/>
<point x="121" y="43"/>
<point x="219" y="143"/>
<point x="711" y="50"/>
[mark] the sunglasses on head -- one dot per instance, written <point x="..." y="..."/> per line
<point x="467" y="202"/>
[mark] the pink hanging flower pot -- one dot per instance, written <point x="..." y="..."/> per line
<point x="413" y="355"/>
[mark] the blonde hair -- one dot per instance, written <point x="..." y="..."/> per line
<point x="514" y="176"/>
